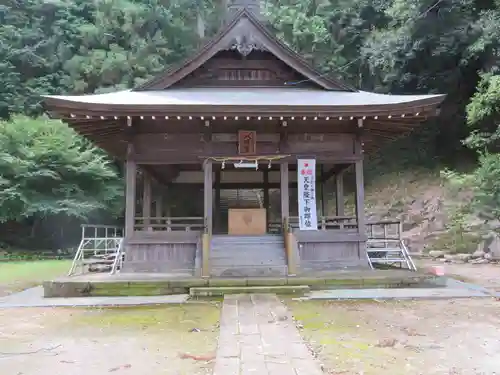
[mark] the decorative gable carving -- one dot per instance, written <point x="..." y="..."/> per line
<point x="259" y="70"/>
<point x="245" y="44"/>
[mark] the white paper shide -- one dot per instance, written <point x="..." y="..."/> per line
<point x="306" y="181"/>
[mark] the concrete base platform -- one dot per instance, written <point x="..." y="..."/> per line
<point x="148" y="284"/>
<point x="33" y="297"/>
<point x="398" y="294"/>
<point x="224" y="290"/>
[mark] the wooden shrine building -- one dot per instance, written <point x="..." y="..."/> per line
<point x="209" y="144"/>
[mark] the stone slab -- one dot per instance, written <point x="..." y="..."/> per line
<point x="221" y="291"/>
<point x="408" y="293"/>
<point x="33" y="297"/>
<point x="156" y="284"/>
<point x="258" y="337"/>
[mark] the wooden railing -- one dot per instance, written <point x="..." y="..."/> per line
<point x="169" y="224"/>
<point x="275" y="227"/>
<point x="390" y="229"/>
<point x="101" y="231"/>
<point x="330" y="222"/>
<point x="384" y="229"/>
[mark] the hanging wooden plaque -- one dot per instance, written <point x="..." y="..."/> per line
<point x="247" y="142"/>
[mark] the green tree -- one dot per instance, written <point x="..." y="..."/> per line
<point x="483" y="114"/>
<point x="46" y="169"/>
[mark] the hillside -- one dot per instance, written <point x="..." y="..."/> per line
<point x="431" y="212"/>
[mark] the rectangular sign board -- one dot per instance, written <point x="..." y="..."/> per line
<point x="306" y="182"/>
<point x="247" y="142"/>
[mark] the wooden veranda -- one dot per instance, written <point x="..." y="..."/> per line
<point x="236" y="119"/>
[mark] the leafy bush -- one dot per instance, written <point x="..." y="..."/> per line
<point x="51" y="180"/>
<point x="483" y="183"/>
<point x="47" y="169"/>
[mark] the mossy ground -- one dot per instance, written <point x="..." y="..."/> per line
<point x="343" y="342"/>
<point x="137" y="340"/>
<point x="401" y="337"/>
<point x="179" y="318"/>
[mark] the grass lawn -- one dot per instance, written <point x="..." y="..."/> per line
<point x="16" y="276"/>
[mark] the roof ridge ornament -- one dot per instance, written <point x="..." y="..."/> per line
<point x="235" y="6"/>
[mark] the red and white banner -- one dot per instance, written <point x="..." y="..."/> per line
<point x="306" y="182"/>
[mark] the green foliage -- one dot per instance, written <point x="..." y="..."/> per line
<point x="484" y="106"/>
<point x="483" y="184"/>
<point x="68" y="46"/>
<point x="483" y="115"/>
<point x="46" y="169"/>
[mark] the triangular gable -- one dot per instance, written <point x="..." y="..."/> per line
<point x="245" y="33"/>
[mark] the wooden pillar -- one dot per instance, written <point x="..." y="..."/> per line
<point x="360" y="182"/>
<point x="360" y="197"/>
<point x="217" y="211"/>
<point x="208" y="201"/>
<point x="321" y="184"/>
<point x="208" y="195"/>
<point x="130" y="191"/>
<point x="146" y="200"/>
<point x="285" y="213"/>
<point x="159" y="208"/>
<point x="339" y="194"/>
<point x="265" y="177"/>
<point x="284" y="187"/>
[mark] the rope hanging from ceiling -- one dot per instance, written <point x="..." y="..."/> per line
<point x="252" y="159"/>
<point x="247" y="158"/>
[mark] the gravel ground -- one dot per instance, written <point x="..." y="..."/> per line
<point x="132" y="341"/>
<point x="428" y="337"/>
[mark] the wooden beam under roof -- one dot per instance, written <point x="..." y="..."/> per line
<point x="338" y="168"/>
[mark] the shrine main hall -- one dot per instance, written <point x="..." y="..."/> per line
<point x="227" y="156"/>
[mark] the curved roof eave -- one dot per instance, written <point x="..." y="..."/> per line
<point x="234" y="102"/>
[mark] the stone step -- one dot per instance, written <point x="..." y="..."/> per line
<point x="278" y="256"/>
<point x="242" y="251"/>
<point x="231" y="264"/>
<point x="237" y="256"/>
<point x="247" y="247"/>
<point x="221" y="291"/>
<point x="247" y="241"/>
<point x="95" y="268"/>
<point x="98" y="261"/>
<point x="384" y="250"/>
<point x="247" y="256"/>
<point x="249" y="271"/>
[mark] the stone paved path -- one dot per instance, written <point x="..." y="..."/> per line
<point x="258" y="337"/>
<point x="423" y="293"/>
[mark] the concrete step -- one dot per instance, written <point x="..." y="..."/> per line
<point x="254" y="246"/>
<point x="235" y="256"/>
<point x="247" y="256"/>
<point x="98" y="261"/>
<point x="221" y="291"/>
<point x="256" y="264"/>
<point x="246" y="240"/>
<point x="384" y="250"/>
<point x="249" y="271"/>
<point x="243" y="251"/>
